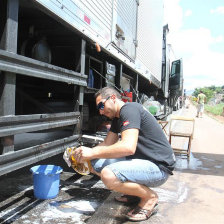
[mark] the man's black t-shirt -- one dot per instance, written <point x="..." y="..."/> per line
<point x="152" y="142"/>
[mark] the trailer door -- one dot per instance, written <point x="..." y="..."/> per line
<point x="176" y="76"/>
<point x="124" y="26"/>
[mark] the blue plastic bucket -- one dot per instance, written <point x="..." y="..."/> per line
<point x="46" y="179"/>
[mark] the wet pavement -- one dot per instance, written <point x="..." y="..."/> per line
<point x="78" y="198"/>
<point x="194" y="194"/>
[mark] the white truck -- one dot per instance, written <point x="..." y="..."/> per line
<point x="55" y="55"/>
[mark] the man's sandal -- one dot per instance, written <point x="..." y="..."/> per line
<point x="140" y="214"/>
<point x="129" y="199"/>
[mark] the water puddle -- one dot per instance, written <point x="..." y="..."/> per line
<point x="193" y="163"/>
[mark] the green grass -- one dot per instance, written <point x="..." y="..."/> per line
<point x="216" y="110"/>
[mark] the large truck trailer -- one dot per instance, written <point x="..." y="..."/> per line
<point x="56" y="54"/>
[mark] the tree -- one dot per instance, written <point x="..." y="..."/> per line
<point x="211" y="88"/>
<point x="218" y="90"/>
<point x="208" y="92"/>
<point x="196" y="92"/>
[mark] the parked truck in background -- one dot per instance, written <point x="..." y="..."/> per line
<point x="55" y="55"/>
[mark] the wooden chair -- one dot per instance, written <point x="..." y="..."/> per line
<point x="163" y="125"/>
<point x="184" y="130"/>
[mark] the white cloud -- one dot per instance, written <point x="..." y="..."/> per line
<point x="201" y="65"/>
<point x="204" y="70"/>
<point x="219" y="10"/>
<point x="190" y="41"/>
<point x="219" y="39"/>
<point x="188" y="13"/>
<point x="173" y="19"/>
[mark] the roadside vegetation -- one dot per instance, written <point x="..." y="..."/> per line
<point x="215" y="99"/>
<point x="216" y="109"/>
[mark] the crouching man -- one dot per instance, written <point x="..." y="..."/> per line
<point x="141" y="159"/>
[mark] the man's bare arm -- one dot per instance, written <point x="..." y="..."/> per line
<point x="110" y="139"/>
<point x="125" y="147"/>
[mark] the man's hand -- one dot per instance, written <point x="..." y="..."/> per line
<point x="83" y="154"/>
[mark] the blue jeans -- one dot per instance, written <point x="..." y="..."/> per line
<point x="133" y="170"/>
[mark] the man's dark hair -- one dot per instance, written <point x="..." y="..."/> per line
<point x="201" y="91"/>
<point x="107" y="91"/>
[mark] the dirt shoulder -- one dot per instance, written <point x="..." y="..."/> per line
<point x="218" y="118"/>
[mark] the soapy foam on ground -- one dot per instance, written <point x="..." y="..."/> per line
<point x="70" y="210"/>
<point x="53" y="213"/>
<point x="169" y="196"/>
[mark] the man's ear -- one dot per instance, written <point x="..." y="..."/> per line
<point x="113" y="97"/>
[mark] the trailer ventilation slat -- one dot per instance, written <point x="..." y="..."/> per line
<point x="19" y="159"/>
<point x="11" y="125"/>
<point x="18" y="64"/>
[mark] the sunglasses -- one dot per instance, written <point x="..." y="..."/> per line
<point x="100" y="105"/>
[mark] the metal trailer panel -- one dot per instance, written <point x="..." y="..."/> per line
<point x="88" y="17"/>
<point x="167" y="74"/>
<point x="99" y="10"/>
<point x="92" y="18"/>
<point x="165" y="63"/>
<point x="149" y="36"/>
<point x="170" y="57"/>
<point x="125" y="19"/>
<point x="97" y="20"/>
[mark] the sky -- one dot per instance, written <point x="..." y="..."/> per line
<point x="196" y="33"/>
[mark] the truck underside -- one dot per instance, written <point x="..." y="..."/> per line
<point x="47" y="102"/>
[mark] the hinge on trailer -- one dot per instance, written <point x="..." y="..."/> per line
<point x="135" y="43"/>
